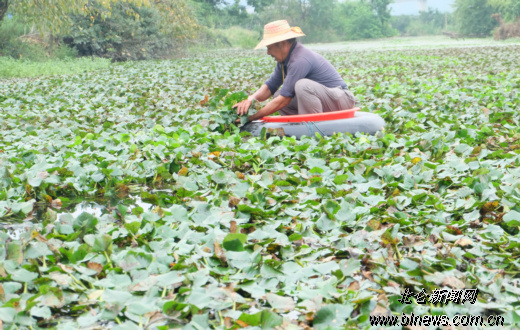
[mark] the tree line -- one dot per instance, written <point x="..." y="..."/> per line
<point x="144" y="29"/>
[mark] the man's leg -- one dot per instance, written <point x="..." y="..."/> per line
<point x="290" y="109"/>
<point x="315" y="98"/>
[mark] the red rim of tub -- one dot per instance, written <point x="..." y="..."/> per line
<point x="335" y="115"/>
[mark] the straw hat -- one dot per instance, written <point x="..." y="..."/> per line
<point x="278" y="31"/>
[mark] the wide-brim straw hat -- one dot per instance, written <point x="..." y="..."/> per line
<point x="278" y="31"/>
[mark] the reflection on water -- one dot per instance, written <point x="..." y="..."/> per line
<point x="93" y="208"/>
<point x="97" y="210"/>
<point x="14" y="229"/>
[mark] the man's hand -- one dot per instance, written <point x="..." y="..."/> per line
<point x="243" y="107"/>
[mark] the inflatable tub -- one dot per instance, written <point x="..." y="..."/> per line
<point x="328" y="123"/>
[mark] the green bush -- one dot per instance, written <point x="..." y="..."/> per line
<point x="357" y="21"/>
<point x="429" y="22"/>
<point x="13" y="46"/>
<point x="473" y="17"/>
<point x="14" y="43"/>
<point x="121" y="36"/>
<point x="239" y="37"/>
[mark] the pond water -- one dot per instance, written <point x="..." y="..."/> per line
<point x="96" y="208"/>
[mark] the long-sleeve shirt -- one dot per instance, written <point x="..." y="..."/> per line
<point x="301" y="63"/>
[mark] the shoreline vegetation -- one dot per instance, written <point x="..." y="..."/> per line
<point x="11" y="68"/>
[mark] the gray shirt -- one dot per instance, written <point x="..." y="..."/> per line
<point x="303" y="63"/>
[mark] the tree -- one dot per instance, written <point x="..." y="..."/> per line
<point x="3" y="8"/>
<point x="121" y="37"/>
<point x="259" y="5"/>
<point x="211" y="3"/>
<point x="382" y="12"/>
<point x="357" y="20"/>
<point x="320" y="20"/>
<point x="55" y="15"/>
<point x="508" y="9"/>
<point x="473" y="17"/>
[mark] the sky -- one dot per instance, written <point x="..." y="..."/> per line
<point x="412" y="8"/>
<point x="406" y="8"/>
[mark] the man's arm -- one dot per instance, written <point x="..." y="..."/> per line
<point x="260" y="95"/>
<point x="271" y="107"/>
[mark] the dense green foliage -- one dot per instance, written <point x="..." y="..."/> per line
<point x="121" y="30"/>
<point x="17" y="43"/>
<point x="430" y="22"/>
<point x="321" y="21"/>
<point x="56" y="15"/>
<point x="120" y="36"/>
<point x="508" y="9"/>
<point x="382" y="12"/>
<point x="320" y="232"/>
<point x="473" y="17"/>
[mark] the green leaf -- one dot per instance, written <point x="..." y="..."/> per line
<point x="234" y="242"/>
<point x="43" y="312"/>
<point x="133" y="227"/>
<point x="220" y="177"/>
<point x="85" y="221"/>
<point x="340" y="179"/>
<point x="295" y="237"/>
<point x="7" y="314"/>
<point x="24" y="276"/>
<point x="158" y="128"/>
<point x="15" y="252"/>
<point x="102" y="243"/>
<point x="265" y="319"/>
<point x="332" y="315"/>
<point x="512" y="218"/>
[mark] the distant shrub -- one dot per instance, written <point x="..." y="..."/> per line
<point x="121" y="36"/>
<point x="428" y="22"/>
<point x="473" y="17"/>
<point x="357" y="20"/>
<point x="239" y="37"/>
<point x="13" y="45"/>
<point x="506" y="30"/>
<point x="18" y="42"/>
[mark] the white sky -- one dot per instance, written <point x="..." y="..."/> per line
<point x="403" y="8"/>
<point x="412" y="8"/>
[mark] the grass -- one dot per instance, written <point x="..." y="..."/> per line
<point x="239" y="37"/>
<point x="11" y="68"/>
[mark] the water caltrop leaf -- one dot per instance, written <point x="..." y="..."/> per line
<point x="15" y="252"/>
<point x="7" y="314"/>
<point x="158" y="128"/>
<point x="102" y="243"/>
<point x="512" y="218"/>
<point x="264" y="319"/>
<point x="171" y="216"/>
<point x="133" y="226"/>
<point x="43" y="312"/>
<point x="340" y="179"/>
<point x="280" y="303"/>
<point x="23" y="275"/>
<point x="85" y="220"/>
<point x="333" y="315"/>
<point x="220" y="177"/>
<point x="234" y="242"/>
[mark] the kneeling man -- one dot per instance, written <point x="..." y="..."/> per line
<point x="310" y="83"/>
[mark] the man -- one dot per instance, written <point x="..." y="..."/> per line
<point x="310" y="83"/>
